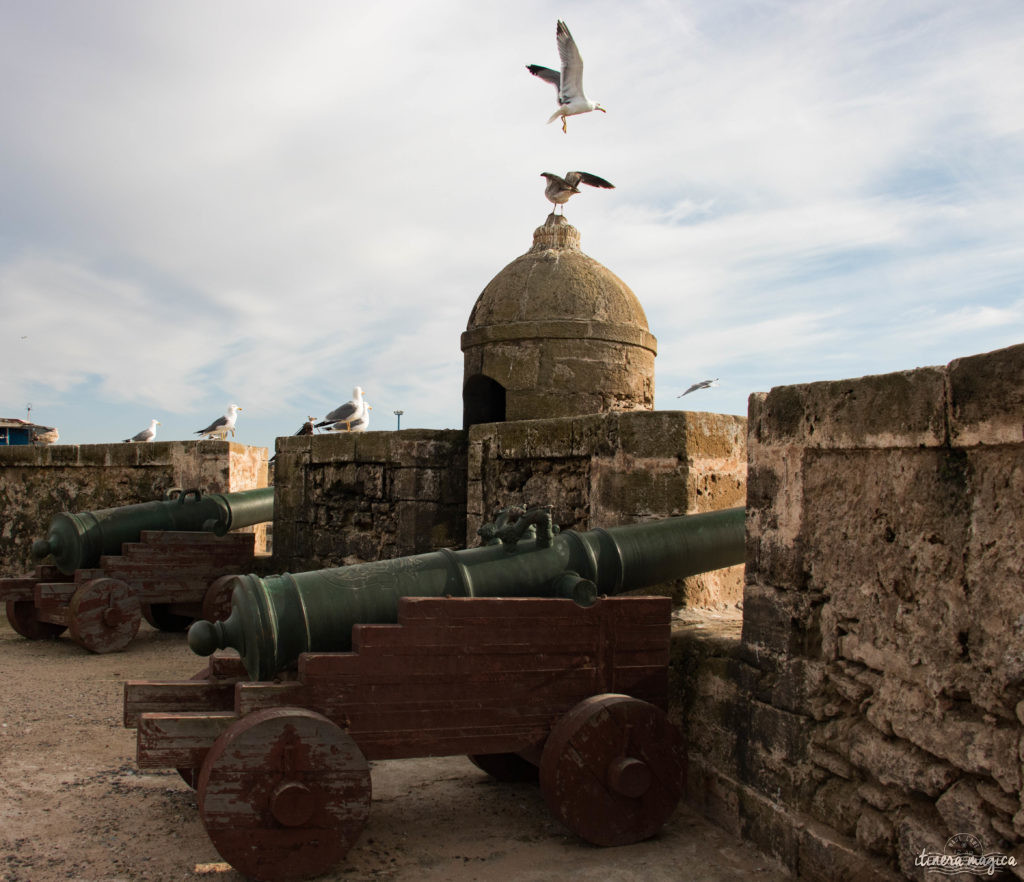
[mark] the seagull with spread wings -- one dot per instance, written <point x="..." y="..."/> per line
<point x="569" y="80"/>
<point x="703" y="384"/>
<point x="558" y="190"/>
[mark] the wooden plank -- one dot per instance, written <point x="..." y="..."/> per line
<point x="182" y="696"/>
<point x="450" y="608"/>
<point x="178" y="740"/>
<point x="56" y="613"/>
<point x="195" y="537"/>
<point x="53" y="592"/>
<point x="17" y="588"/>
<point x="222" y="665"/>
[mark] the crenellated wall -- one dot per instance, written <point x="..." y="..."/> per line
<point x="38" y="482"/>
<point x="351" y="498"/>
<point x="873" y="705"/>
<point x="602" y="470"/>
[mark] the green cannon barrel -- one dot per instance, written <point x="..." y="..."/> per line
<point x="78" y="541"/>
<point x="274" y="619"/>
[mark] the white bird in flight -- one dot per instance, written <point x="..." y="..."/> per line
<point x="703" y="384"/>
<point x="220" y="427"/>
<point x="568" y="81"/>
<point x="146" y="434"/>
<point x="558" y="190"/>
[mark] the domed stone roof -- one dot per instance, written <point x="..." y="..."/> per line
<point x="556" y="334"/>
<point x="556" y="281"/>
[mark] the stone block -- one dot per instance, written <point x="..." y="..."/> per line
<point x="639" y="494"/>
<point x="904" y="409"/>
<point x="781" y="623"/>
<point x="918" y="830"/>
<point x="837" y="805"/>
<point x="896" y="763"/>
<point x="714" y="795"/>
<point x="825" y="856"/>
<point x="964" y="811"/>
<point x="874" y="832"/>
<point x="986" y="398"/>
<point x="984" y="747"/>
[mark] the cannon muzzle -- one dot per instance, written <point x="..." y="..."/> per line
<point x="275" y="619"/>
<point x="78" y="541"/>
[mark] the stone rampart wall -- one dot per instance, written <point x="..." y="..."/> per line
<point x="350" y="498"/>
<point x="603" y="470"/>
<point x="873" y="706"/>
<point x="38" y="482"/>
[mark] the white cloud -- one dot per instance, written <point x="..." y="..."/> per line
<point x="247" y="202"/>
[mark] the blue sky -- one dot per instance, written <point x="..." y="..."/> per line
<point x="266" y="204"/>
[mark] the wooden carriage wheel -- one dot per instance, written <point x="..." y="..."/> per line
<point x="22" y="616"/>
<point x="217" y="600"/>
<point x="509" y="768"/>
<point x="284" y="793"/>
<point x="613" y="769"/>
<point x="104" y="615"/>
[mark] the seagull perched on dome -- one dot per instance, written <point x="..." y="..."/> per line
<point x="558" y="190"/>
<point x="220" y="427"/>
<point x="569" y="80"/>
<point x="352" y="416"/>
<point x="146" y="434"/>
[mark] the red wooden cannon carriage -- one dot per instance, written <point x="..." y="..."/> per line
<point x="170" y="578"/>
<point x="157" y="560"/>
<point x="280" y="766"/>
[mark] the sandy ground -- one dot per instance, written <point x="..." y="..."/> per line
<point x="73" y="806"/>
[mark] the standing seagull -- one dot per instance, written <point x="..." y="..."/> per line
<point x="558" y="190"/>
<point x="569" y="81"/>
<point x="220" y="427"/>
<point x="146" y="434"/>
<point x="307" y="427"/>
<point x="703" y="384"/>
<point x="341" y="419"/>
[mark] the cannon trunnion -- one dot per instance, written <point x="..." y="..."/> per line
<point x="280" y="766"/>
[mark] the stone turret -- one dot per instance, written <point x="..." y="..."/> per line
<point x="556" y="334"/>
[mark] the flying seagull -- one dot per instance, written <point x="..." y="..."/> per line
<point x="342" y="418"/>
<point x="703" y="384"/>
<point x="569" y="81"/>
<point x="220" y="427"/>
<point x="558" y="190"/>
<point x="146" y="434"/>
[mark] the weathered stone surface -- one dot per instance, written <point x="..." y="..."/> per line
<point x="560" y="334"/>
<point x="986" y="398"/>
<point x="350" y="498"/>
<point x="874" y="831"/>
<point x="607" y="469"/>
<point x="38" y="482"/>
<point x="889" y="559"/>
<point x="905" y="409"/>
<point x="964" y="810"/>
<point x="896" y="763"/>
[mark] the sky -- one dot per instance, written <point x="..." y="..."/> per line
<point x="206" y="202"/>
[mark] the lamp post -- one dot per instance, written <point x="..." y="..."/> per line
<point x="398" y="414"/>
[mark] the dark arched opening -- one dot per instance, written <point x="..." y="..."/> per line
<point x="483" y="401"/>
